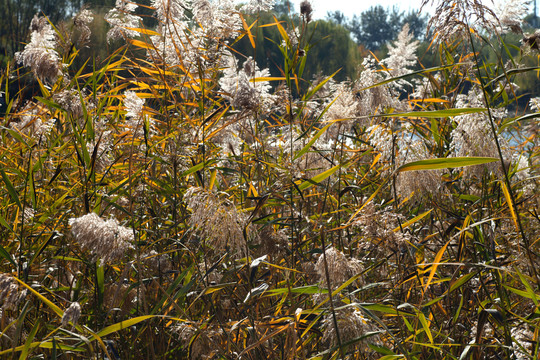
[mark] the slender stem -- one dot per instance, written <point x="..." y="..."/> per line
<point x="327" y="273"/>
<point x="526" y="243"/>
<point x="330" y="297"/>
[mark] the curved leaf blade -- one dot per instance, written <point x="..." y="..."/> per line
<point x="47" y="302"/>
<point x="5" y="255"/>
<point x="436" y="113"/>
<point x="445" y="163"/>
<point x="122" y="325"/>
<point x="11" y="190"/>
<point x="318" y="178"/>
<point x="306" y="148"/>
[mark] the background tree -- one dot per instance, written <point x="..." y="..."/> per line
<point x="283" y="7"/>
<point x="336" y="17"/>
<point x="376" y="26"/>
<point x="417" y="23"/>
<point x="99" y="3"/>
<point x="334" y="48"/>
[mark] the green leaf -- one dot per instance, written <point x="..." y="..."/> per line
<point x="256" y="291"/>
<point x="525" y="294"/>
<point x="308" y="289"/>
<point x="50" y="345"/>
<point x="4" y="223"/>
<point x="382" y="350"/>
<point x="28" y="343"/>
<point x="44" y="345"/>
<point x="462" y="280"/>
<point x="425" y="325"/>
<point x="16" y="135"/>
<point x="472" y="198"/>
<point x="319" y="85"/>
<point x="31" y="186"/>
<point x="458" y="311"/>
<point x="43" y="246"/>
<point x="302" y="64"/>
<point x="167" y="296"/>
<point x="528" y="286"/>
<point x="436" y="113"/>
<point x="121" y="325"/>
<point x="384" y="309"/>
<point x="511" y="121"/>
<point x="312" y="141"/>
<point x="507" y="74"/>
<point x="100" y="282"/>
<point x="411" y="74"/>
<point x="435" y="130"/>
<point x="412" y="221"/>
<point x="53" y="353"/>
<point x="318" y="178"/>
<point x="466" y="350"/>
<point x="195" y="168"/>
<point x="49" y="103"/>
<point x="11" y="190"/>
<point x="5" y="255"/>
<point x="445" y="163"/>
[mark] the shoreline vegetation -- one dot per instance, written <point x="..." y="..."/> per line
<point x="178" y="200"/>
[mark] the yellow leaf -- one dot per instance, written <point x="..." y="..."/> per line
<point x="144" y="31"/>
<point x="412" y="221"/>
<point x="47" y="302"/>
<point x="141" y="44"/>
<point x="268" y="78"/>
<point x="510" y="204"/>
<point x="435" y="264"/>
<point x="248" y="31"/>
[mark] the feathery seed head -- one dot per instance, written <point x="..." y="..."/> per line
<point x="239" y="88"/>
<point x="216" y="219"/>
<point x="402" y="55"/>
<point x="168" y="11"/>
<point x="70" y="101"/>
<point x="454" y="19"/>
<point x="352" y="325"/>
<point x="106" y="240"/>
<point x="340" y="268"/>
<point x="257" y="6"/>
<point x="40" y="54"/>
<point x="426" y="184"/>
<point x="134" y="104"/>
<point x="121" y="19"/>
<point x="81" y="21"/>
<point x="72" y="314"/>
<point x="10" y="293"/>
<point x="531" y="41"/>
<point x="510" y="14"/>
<point x="34" y="120"/>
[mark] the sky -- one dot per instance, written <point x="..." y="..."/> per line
<point x="352" y="7"/>
<point x="355" y="7"/>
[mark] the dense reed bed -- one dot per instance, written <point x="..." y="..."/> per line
<point x="177" y="201"/>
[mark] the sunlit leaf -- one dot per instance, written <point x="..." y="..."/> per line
<point x="122" y="325"/>
<point x="445" y="163"/>
<point x="318" y="178"/>
<point x="435" y="113"/>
